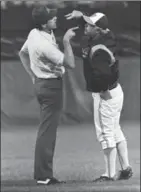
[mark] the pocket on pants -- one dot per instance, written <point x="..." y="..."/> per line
<point x="49" y="96"/>
<point x="113" y="94"/>
<point x="112" y="106"/>
<point x="106" y="95"/>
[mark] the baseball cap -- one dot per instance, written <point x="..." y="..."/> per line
<point x="98" y="19"/>
<point x="41" y="14"/>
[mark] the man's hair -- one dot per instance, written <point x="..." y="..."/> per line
<point x="41" y="14"/>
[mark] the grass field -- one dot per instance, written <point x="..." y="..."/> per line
<point x="78" y="160"/>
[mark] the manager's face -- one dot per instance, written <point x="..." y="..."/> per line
<point x="90" y="30"/>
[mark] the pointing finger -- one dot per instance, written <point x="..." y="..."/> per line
<point x="75" y="28"/>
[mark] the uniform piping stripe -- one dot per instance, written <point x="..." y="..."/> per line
<point x="102" y="127"/>
<point x="103" y="47"/>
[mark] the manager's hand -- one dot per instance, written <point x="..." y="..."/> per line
<point x="74" y="15"/>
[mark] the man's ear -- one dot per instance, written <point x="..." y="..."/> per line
<point x="98" y="30"/>
<point x="44" y="26"/>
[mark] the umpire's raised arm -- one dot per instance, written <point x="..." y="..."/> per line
<point x="69" y="60"/>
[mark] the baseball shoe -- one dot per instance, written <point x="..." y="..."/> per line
<point x="51" y="181"/>
<point x="125" y="174"/>
<point x="103" y="179"/>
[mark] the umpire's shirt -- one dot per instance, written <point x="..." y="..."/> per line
<point x="46" y="60"/>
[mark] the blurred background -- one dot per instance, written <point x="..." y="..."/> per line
<point x="18" y="103"/>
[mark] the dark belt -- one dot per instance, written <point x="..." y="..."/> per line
<point x="114" y="85"/>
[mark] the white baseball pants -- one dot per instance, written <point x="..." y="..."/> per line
<point x="107" y="117"/>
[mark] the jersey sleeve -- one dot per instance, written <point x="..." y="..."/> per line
<point x="100" y="62"/>
<point x="25" y="47"/>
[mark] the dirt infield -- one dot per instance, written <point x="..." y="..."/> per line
<point x="78" y="160"/>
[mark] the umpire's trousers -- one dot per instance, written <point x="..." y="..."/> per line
<point x="49" y="96"/>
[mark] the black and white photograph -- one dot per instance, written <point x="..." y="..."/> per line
<point x="70" y="96"/>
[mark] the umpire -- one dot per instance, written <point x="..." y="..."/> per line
<point x="46" y="65"/>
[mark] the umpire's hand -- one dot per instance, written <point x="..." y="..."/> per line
<point x="70" y="34"/>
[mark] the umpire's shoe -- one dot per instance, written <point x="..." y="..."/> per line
<point x="51" y="181"/>
<point x="125" y="174"/>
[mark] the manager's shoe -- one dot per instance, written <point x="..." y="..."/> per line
<point x="103" y="179"/>
<point x="125" y="174"/>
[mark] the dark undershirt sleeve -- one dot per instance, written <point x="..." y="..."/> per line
<point x="100" y="62"/>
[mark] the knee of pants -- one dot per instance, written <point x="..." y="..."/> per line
<point x="108" y="143"/>
<point x="105" y="133"/>
<point x="107" y="139"/>
<point x="119" y="136"/>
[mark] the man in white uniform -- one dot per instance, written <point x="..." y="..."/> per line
<point x="101" y="74"/>
<point x="46" y="65"/>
